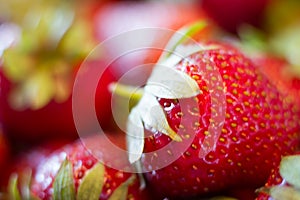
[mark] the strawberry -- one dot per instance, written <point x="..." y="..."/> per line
<point x="214" y="124"/>
<point x="119" y="17"/>
<point x="37" y="73"/>
<point x="73" y="172"/>
<point x="29" y="157"/>
<point x="231" y="14"/>
<point x="283" y="182"/>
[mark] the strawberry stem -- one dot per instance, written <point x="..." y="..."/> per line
<point x="186" y="32"/>
<point x="132" y="93"/>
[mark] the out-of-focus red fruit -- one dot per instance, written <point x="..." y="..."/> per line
<point x="116" y="18"/>
<point x="230" y="14"/>
<point x="76" y="169"/>
<point x="37" y="72"/>
<point x="280" y="72"/>
<point x="4" y="151"/>
<point x="30" y="157"/>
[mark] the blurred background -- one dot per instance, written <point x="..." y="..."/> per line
<point x="43" y="43"/>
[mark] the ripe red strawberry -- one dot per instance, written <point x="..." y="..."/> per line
<point x="225" y="126"/>
<point x="279" y="184"/>
<point x="73" y="172"/>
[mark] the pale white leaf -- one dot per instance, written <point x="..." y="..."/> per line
<point x="170" y="83"/>
<point x="154" y="117"/>
<point x="284" y="193"/>
<point x="290" y="170"/>
<point x="135" y="135"/>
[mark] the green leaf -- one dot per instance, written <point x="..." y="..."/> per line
<point x="13" y="190"/>
<point x="92" y="183"/>
<point x="184" y="33"/>
<point x="135" y="136"/>
<point x="63" y="185"/>
<point x="120" y="193"/>
<point x="130" y="93"/>
<point x="290" y="170"/>
<point x="25" y="181"/>
<point x="17" y="66"/>
<point x="284" y="193"/>
<point x="149" y="114"/>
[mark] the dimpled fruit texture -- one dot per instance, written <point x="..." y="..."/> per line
<point x="245" y="123"/>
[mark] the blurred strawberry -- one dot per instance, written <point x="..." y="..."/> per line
<point x="38" y="72"/>
<point x="281" y="73"/>
<point x="231" y="14"/>
<point x="116" y="18"/>
<point x="73" y="172"/>
<point x="29" y="157"/>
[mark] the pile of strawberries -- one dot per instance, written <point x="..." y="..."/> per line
<point x="217" y="115"/>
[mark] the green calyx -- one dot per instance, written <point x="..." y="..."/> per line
<point x="185" y="33"/>
<point x="90" y="186"/>
<point x="41" y="64"/>
<point x="19" y="186"/>
<point x="289" y="171"/>
<point x="63" y="185"/>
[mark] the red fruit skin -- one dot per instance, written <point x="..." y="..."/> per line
<point x="242" y="193"/>
<point x="47" y="166"/>
<point x="230" y="14"/>
<point x="29" y="157"/>
<point x="4" y="152"/>
<point x="277" y="70"/>
<point x="274" y="179"/>
<point x="260" y="127"/>
<point x="33" y="125"/>
<point x="55" y="119"/>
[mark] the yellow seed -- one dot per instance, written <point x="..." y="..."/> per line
<point x="246" y="93"/>
<point x="225" y="76"/>
<point x="233" y="125"/>
<point x="229" y="101"/>
<point x="246" y="103"/>
<point x="194" y="146"/>
<point x="245" y="119"/>
<point x="221" y="139"/>
<point x="234" y="139"/>
<point x="224" y="130"/>
<point x="234" y="85"/>
<point x="234" y="91"/>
